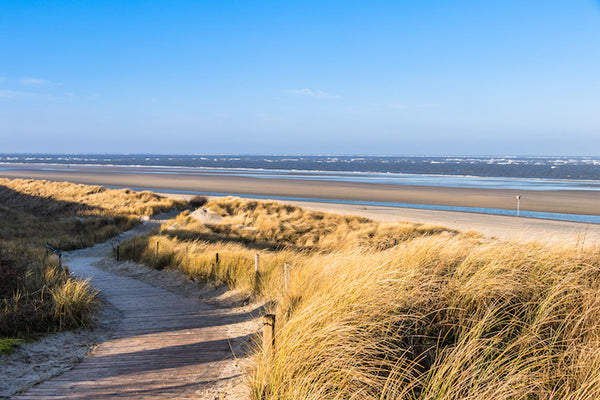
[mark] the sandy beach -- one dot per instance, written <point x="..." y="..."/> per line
<point x="567" y="201"/>
<point x="504" y="227"/>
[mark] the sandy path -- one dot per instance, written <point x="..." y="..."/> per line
<point x="166" y="346"/>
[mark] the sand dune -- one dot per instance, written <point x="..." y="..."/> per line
<point x="574" y="202"/>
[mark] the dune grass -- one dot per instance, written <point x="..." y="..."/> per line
<point x="398" y="311"/>
<point x="36" y="294"/>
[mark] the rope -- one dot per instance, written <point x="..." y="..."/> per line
<point x="52" y="249"/>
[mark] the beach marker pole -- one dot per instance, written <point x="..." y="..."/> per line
<point x="518" y="205"/>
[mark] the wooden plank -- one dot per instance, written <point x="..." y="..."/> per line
<point x="165" y="346"/>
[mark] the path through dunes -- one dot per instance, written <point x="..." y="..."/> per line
<point x="167" y="345"/>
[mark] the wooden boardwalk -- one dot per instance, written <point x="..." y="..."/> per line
<point x="166" y="347"/>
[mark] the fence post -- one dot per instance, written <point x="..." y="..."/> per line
<point x="256" y="273"/>
<point x="59" y="260"/>
<point x="216" y="258"/>
<point x="118" y="253"/>
<point x="268" y="334"/>
<point x="157" y="249"/>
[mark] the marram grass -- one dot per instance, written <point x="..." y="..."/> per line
<point x="398" y="311"/>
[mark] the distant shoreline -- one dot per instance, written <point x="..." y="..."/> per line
<point x="565" y="201"/>
<point x="396" y="178"/>
<point x="579" y="170"/>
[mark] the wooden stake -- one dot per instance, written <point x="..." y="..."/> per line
<point x="157" y="249"/>
<point x="217" y="258"/>
<point x="59" y="260"/>
<point x="118" y="251"/>
<point x="268" y="334"/>
<point x="256" y="273"/>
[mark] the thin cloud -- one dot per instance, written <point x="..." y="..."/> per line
<point x="17" y="94"/>
<point x="317" y="94"/>
<point x="37" y="82"/>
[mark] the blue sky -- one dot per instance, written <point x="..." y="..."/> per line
<point x="312" y="77"/>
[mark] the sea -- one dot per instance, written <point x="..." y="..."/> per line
<point x="554" y="173"/>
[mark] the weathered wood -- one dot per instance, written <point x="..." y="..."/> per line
<point x="256" y="273"/>
<point x="165" y="346"/>
<point x="268" y="335"/>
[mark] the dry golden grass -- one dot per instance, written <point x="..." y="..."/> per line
<point x="270" y="223"/>
<point x="53" y="198"/>
<point x="440" y="318"/>
<point x="430" y="314"/>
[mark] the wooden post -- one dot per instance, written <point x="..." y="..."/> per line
<point x="59" y="260"/>
<point x="118" y="251"/>
<point x="256" y="273"/>
<point x="286" y="277"/>
<point x="268" y="334"/>
<point x="216" y="258"/>
<point x="157" y="249"/>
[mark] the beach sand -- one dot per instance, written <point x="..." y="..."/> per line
<point x="504" y="227"/>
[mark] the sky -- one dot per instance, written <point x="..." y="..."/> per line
<point x="430" y="77"/>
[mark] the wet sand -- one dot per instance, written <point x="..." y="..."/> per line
<point x="569" y="202"/>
